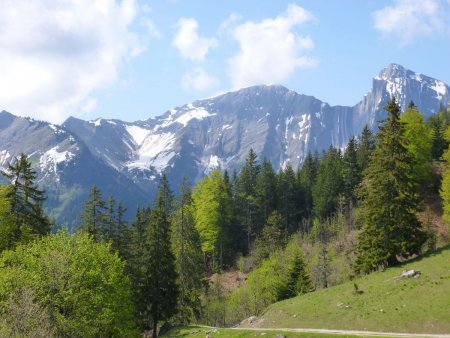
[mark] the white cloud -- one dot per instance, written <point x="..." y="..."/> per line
<point x="270" y="50"/>
<point x="407" y="20"/>
<point x="189" y="43"/>
<point x="199" y="80"/>
<point x="55" y="54"/>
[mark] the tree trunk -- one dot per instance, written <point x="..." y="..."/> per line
<point x="155" y="329"/>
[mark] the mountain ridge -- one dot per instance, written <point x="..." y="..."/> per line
<point x="193" y="139"/>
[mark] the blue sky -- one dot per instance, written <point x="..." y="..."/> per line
<point x="136" y="59"/>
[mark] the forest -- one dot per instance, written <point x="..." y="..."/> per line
<point x="226" y="248"/>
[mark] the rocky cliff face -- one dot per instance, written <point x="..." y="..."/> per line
<point x="126" y="159"/>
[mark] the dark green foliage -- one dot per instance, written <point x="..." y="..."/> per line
<point x="328" y="184"/>
<point x="391" y="228"/>
<point x="158" y="288"/>
<point x="351" y="172"/>
<point x="94" y="215"/>
<point x="266" y="192"/>
<point x="189" y="257"/>
<point x="439" y="143"/>
<point x="306" y="178"/>
<point x="247" y="196"/>
<point x="298" y="281"/>
<point x="25" y="202"/>
<point x="365" y="146"/>
<point x="289" y="199"/>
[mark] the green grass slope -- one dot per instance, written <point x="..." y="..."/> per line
<point x="387" y="303"/>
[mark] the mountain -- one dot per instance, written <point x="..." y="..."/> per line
<point x="126" y="159"/>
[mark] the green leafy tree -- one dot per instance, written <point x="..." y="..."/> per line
<point x="75" y="286"/>
<point x="7" y="223"/>
<point x="418" y="143"/>
<point x="158" y="287"/>
<point x="212" y="215"/>
<point x="26" y="200"/>
<point x="389" y="200"/>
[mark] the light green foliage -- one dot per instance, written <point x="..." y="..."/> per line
<point x="78" y="285"/>
<point x="212" y="213"/>
<point x="387" y="303"/>
<point x="419" y="143"/>
<point x="6" y="219"/>
<point x="281" y="276"/>
<point x="273" y="237"/>
<point x="445" y="186"/>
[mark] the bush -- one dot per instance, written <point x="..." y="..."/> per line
<point x="73" y="286"/>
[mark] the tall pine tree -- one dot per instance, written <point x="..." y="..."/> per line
<point x="389" y="200"/>
<point x="159" y="289"/>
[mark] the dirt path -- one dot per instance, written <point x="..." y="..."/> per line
<point x="349" y="332"/>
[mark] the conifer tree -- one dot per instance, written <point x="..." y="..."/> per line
<point x="247" y="195"/>
<point x="298" y="281"/>
<point x="158" y="288"/>
<point x="365" y="146"/>
<point x="306" y="178"/>
<point x="265" y="190"/>
<point x="351" y="173"/>
<point x="289" y="199"/>
<point x="94" y="215"/>
<point x="189" y="257"/>
<point x="25" y="200"/>
<point x="389" y="200"/>
<point x="439" y="143"/>
<point x="328" y="183"/>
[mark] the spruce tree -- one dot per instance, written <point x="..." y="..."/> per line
<point x="189" y="257"/>
<point x="94" y="215"/>
<point x="265" y="190"/>
<point x="328" y="185"/>
<point x="159" y="289"/>
<point x="26" y="200"/>
<point x="289" y="199"/>
<point x="389" y="200"/>
<point x="365" y="146"/>
<point x="247" y="195"/>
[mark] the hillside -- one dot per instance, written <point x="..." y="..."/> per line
<point x="386" y="302"/>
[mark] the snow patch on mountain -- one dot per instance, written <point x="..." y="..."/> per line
<point x="4" y="157"/>
<point x="196" y="113"/>
<point x="440" y="88"/>
<point x="137" y="134"/>
<point x="212" y="163"/>
<point x="155" y="151"/>
<point x="49" y="160"/>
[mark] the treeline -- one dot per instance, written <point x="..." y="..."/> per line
<point x="342" y="214"/>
